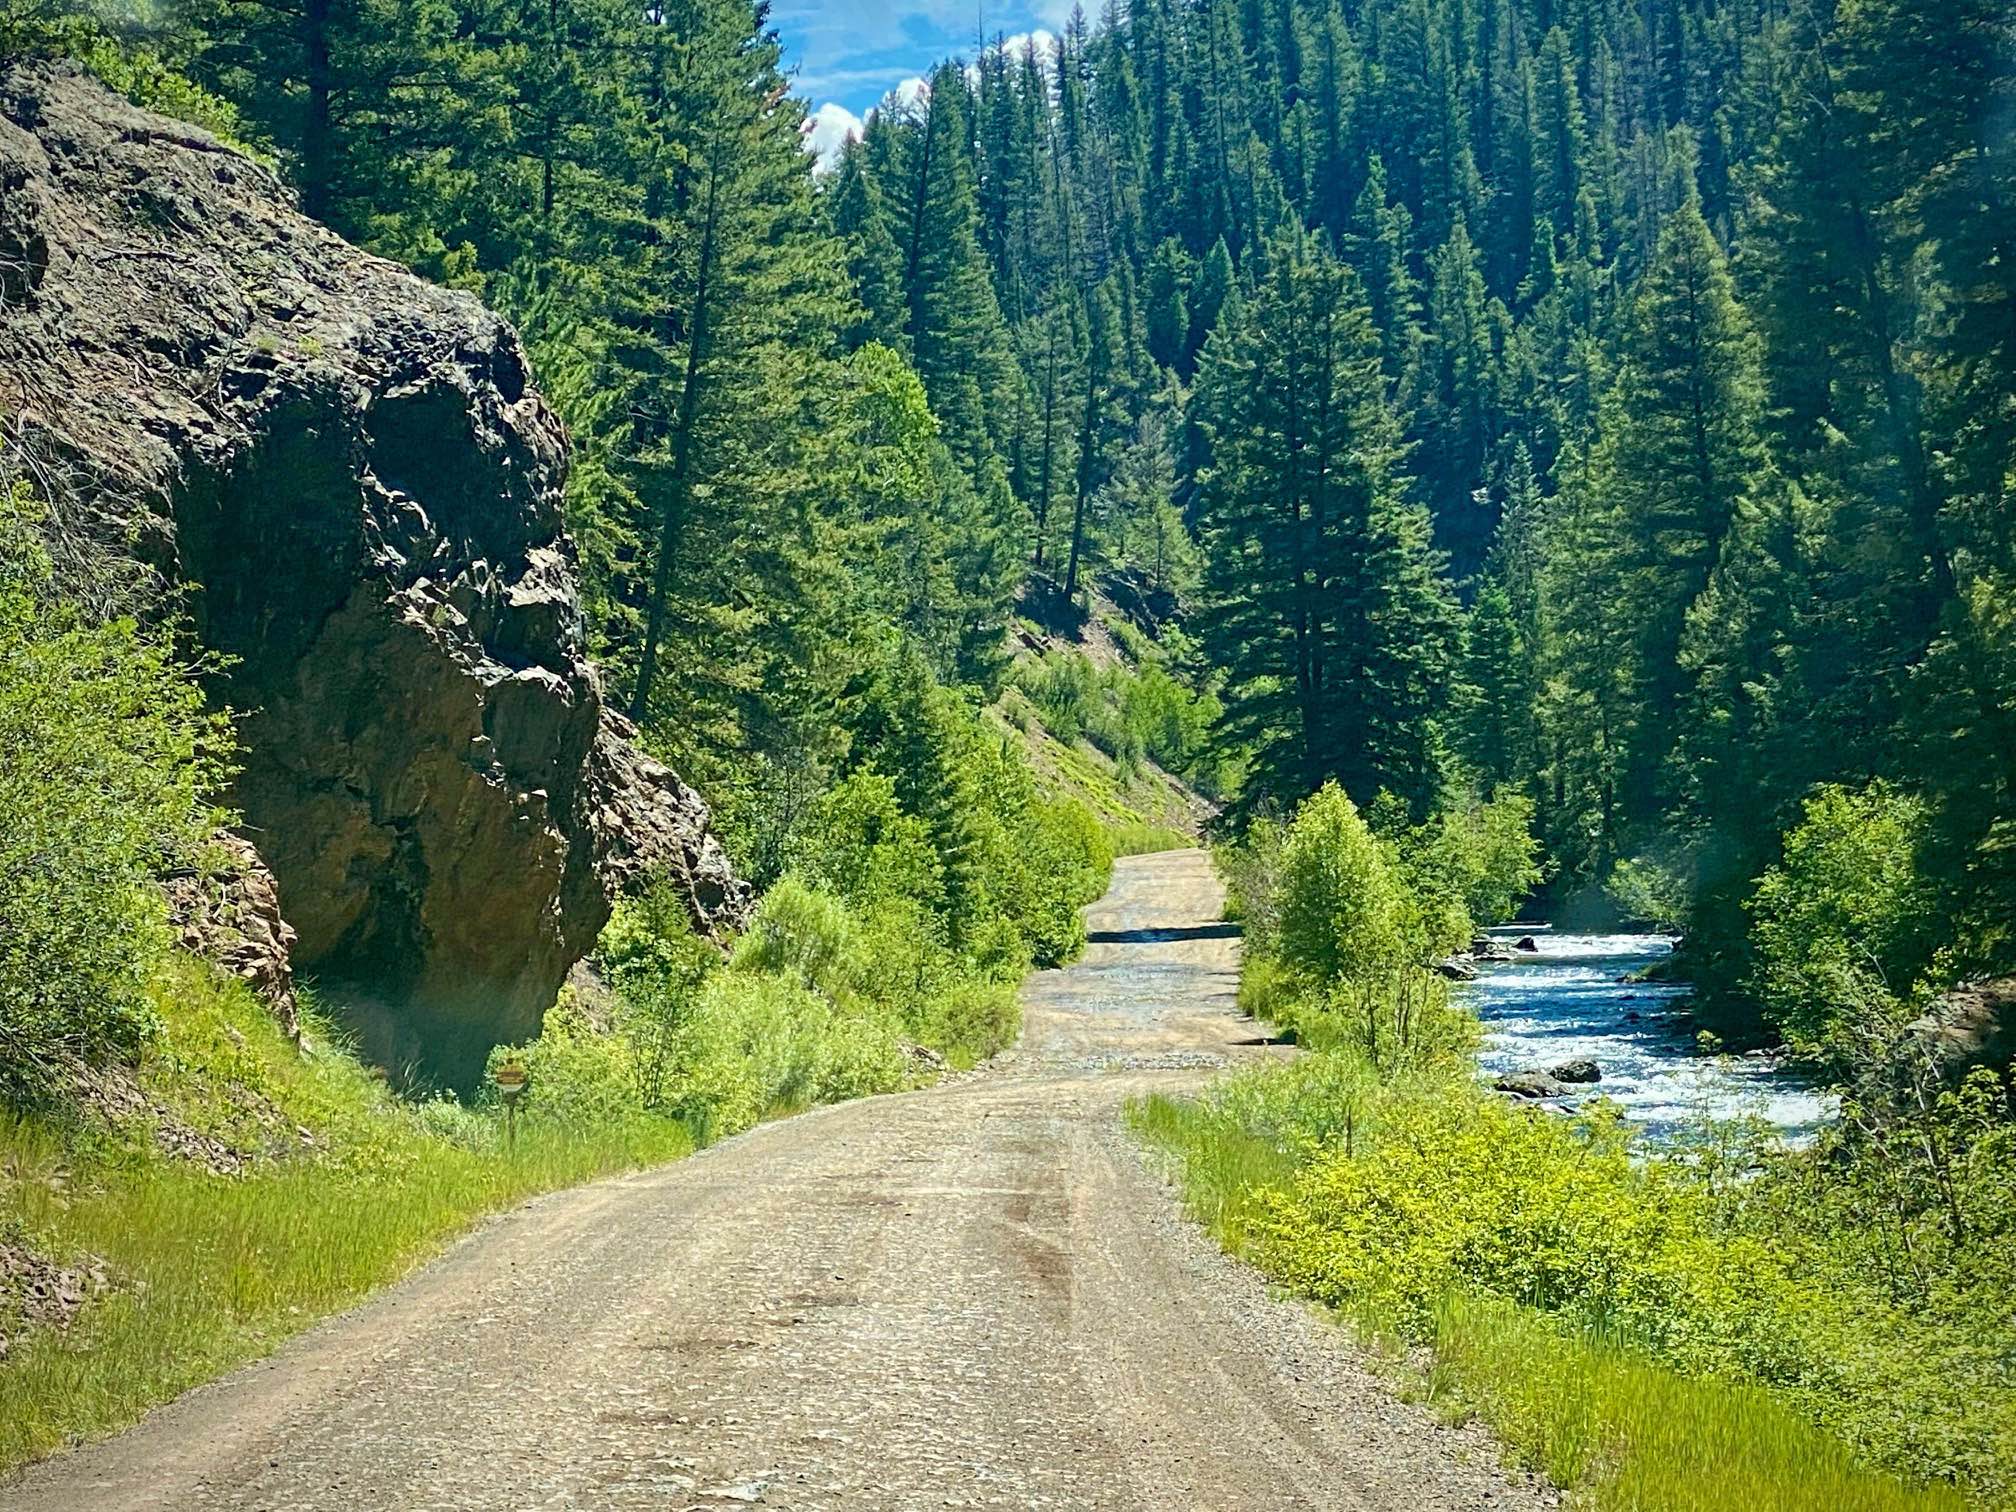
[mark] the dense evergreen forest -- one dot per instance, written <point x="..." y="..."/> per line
<point x="1605" y="402"/>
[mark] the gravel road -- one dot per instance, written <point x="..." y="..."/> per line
<point x="974" y="1296"/>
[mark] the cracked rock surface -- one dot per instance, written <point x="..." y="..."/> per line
<point x="979" y="1295"/>
<point x="354" y="477"/>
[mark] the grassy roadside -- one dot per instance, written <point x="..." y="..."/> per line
<point x="1729" y="1324"/>
<point x="1621" y="1433"/>
<point x="312" y="1186"/>
<point x="231" y="1189"/>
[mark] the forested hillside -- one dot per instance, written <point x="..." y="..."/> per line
<point x="1471" y="456"/>
<point x="1603" y="402"/>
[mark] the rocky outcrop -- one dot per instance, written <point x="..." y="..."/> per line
<point x="1581" y="1070"/>
<point x="355" y="477"/>
<point x="230" y="914"/>
<point x="1972" y="1025"/>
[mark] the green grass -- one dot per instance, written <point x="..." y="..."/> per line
<point x="1139" y="838"/>
<point x="214" y="1270"/>
<point x="210" y="1270"/>
<point x="1623" y="1434"/>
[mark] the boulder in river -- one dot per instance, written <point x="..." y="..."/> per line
<point x="1531" y="1083"/>
<point x="1527" y="943"/>
<point x="351" y="479"/>
<point x="1581" y="1069"/>
<point x="1455" y="971"/>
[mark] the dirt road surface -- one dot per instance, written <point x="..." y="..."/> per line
<point x="981" y="1295"/>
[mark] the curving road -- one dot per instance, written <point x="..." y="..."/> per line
<point x="973" y="1296"/>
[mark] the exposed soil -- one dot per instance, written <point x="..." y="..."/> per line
<point x="979" y="1295"/>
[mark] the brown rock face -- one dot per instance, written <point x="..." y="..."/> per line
<point x="353" y="472"/>
<point x="1973" y="1025"/>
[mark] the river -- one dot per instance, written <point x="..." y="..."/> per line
<point x="1568" y="1002"/>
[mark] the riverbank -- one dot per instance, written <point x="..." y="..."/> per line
<point x="1570" y="1398"/>
<point x="1715" y="1318"/>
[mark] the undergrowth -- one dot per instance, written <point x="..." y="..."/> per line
<point x="1572" y="1399"/>
<point x="1728" y="1325"/>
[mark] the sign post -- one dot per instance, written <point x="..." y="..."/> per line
<point x="510" y="1079"/>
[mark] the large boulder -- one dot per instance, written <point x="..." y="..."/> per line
<point x="1532" y="1082"/>
<point x="354" y="476"/>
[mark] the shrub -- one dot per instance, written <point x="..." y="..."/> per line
<point x="1471" y="863"/>
<point x="1344" y="916"/>
<point x="577" y="1074"/>
<point x="806" y="936"/>
<point x="1250" y="867"/>
<point x="106" y="754"/>
<point x="862" y="845"/>
<point x="1842" y="923"/>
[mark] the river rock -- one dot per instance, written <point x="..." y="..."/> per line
<point x="1455" y="971"/>
<point x="1580" y="1070"/>
<point x="353" y="476"/>
<point x="1532" y="1082"/>
<point x="1527" y="943"/>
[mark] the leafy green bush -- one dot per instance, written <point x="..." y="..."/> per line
<point x="1345" y="917"/>
<point x="1250" y="866"/>
<point x="804" y="936"/>
<point x="1843" y="924"/>
<point x="106" y="755"/>
<point x="1399" y="1198"/>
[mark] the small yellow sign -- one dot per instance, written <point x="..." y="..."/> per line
<point x="510" y="1076"/>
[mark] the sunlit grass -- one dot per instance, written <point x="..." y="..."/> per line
<point x="1139" y="838"/>
<point x="1624" y="1434"/>
<point x="209" y="1270"/>
<point x="212" y="1270"/>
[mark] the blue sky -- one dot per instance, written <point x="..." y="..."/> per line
<point x="849" y="53"/>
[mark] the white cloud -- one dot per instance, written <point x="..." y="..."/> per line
<point x="911" y="91"/>
<point x="827" y="131"/>
<point x="1017" y="44"/>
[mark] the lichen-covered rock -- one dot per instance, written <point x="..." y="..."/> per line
<point x="353" y="472"/>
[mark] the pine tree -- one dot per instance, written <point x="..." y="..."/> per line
<point x="957" y="338"/>
<point x="743" y="303"/>
<point x="1681" y="445"/>
<point x="1168" y="312"/>
<point x="1457" y="404"/>
<point x="1323" y="598"/>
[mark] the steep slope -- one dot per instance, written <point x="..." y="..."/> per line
<point x="1075" y="701"/>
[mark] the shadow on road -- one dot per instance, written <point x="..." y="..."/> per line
<point x="1161" y="936"/>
